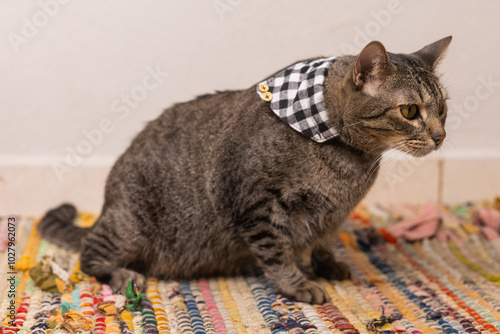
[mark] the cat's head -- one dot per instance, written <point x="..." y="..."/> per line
<point x="395" y="101"/>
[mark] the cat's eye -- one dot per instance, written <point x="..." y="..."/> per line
<point x="409" y="111"/>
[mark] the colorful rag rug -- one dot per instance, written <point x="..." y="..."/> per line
<point x="446" y="283"/>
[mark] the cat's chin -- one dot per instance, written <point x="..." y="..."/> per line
<point x="418" y="153"/>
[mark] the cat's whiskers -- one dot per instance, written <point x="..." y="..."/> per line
<point x="451" y="142"/>
<point x="395" y="147"/>
<point x="440" y="154"/>
<point x="402" y="154"/>
<point x="391" y="146"/>
<point x="371" y="141"/>
<point x="376" y="148"/>
<point x="399" y="155"/>
<point x="375" y="165"/>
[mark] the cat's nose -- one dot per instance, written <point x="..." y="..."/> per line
<point x="438" y="139"/>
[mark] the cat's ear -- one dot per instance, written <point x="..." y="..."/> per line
<point x="433" y="53"/>
<point x="372" y="66"/>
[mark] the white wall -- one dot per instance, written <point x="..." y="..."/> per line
<point x="66" y="73"/>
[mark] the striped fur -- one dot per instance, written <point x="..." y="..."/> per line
<point x="220" y="186"/>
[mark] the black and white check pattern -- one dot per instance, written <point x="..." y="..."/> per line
<point x="298" y="98"/>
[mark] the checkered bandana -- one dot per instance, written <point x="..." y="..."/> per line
<point x="295" y="95"/>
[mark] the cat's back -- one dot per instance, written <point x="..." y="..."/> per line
<point x="196" y="124"/>
<point x="175" y="154"/>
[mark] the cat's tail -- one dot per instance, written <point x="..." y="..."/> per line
<point x="57" y="227"/>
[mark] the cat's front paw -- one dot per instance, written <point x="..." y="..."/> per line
<point x="121" y="278"/>
<point x="309" y="292"/>
<point x="333" y="270"/>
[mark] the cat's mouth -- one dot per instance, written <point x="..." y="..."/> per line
<point x="420" y="148"/>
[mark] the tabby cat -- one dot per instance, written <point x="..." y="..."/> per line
<point x="258" y="180"/>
